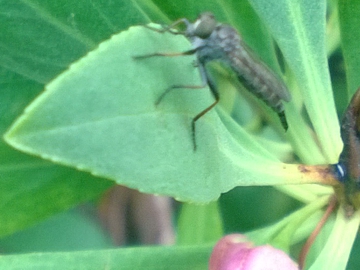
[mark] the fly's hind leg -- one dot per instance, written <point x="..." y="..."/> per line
<point x="172" y="54"/>
<point x="206" y="80"/>
<point x="178" y="87"/>
<point x="209" y="81"/>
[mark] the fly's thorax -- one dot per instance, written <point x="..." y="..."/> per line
<point x="218" y="46"/>
<point x="227" y="38"/>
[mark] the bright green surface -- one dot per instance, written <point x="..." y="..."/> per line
<point x="349" y="18"/>
<point x="72" y="230"/>
<point x="154" y="258"/>
<point x="100" y="116"/>
<point x="299" y="29"/>
<point x="206" y="224"/>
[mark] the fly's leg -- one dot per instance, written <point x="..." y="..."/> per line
<point x="206" y="79"/>
<point x="209" y="81"/>
<point x="170" y="54"/>
<point x="169" y="28"/>
<point x="177" y="87"/>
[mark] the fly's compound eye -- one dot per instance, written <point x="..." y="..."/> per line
<point x="205" y="25"/>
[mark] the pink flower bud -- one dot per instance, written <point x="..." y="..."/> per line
<point x="235" y="252"/>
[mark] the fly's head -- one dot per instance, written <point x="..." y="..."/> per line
<point x="203" y="26"/>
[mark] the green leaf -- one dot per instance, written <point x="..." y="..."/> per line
<point x="336" y="252"/>
<point x="349" y="18"/>
<point x="100" y="116"/>
<point x="39" y="38"/>
<point x="68" y="231"/>
<point x="32" y="189"/>
<point x="299" y="29"/>
<point x="199" y="224"/>
<point x="286" y="232"/>
<point x="156" y="258"/>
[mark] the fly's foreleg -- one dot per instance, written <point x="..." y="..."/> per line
<point x="170" y="28"/>
<point x="169" y="54"/>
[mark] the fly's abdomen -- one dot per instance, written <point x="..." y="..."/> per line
<point x="251" y="72"/>
<point x="262" y="82"/>
<point x="259" y="79"/>
<point x="225" y="44"/>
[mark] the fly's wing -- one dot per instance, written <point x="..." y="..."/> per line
<point x="257" y="77"/>
<point x="225" y="45"/>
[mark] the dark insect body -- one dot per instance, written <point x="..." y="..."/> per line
<point x="214" y="41"/>
<point x="347" y="170"/>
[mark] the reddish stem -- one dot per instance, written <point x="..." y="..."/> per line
<point x="316" y="231"/>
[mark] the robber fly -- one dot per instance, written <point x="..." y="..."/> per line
<point x="215" y="41"/>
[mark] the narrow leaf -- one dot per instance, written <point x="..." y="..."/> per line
<point x="299" y="29"/>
